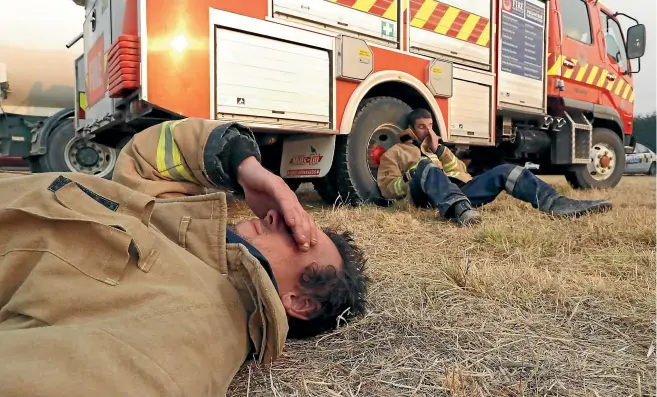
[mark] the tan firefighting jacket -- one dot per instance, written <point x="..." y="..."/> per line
<point x="108" y="291"/>
<point x="403" y="156"/>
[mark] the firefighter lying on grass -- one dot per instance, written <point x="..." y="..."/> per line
<point x="107" y="291"/>
<point x="435" y="178"/>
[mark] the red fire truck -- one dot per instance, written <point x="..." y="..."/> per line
<point x="326" y="84"/>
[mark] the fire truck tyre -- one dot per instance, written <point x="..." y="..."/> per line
<point x="378" y="123"/>
<point x="35" y="165"/>
<point x="652" y="170"/>
<point x="607" y="163"/>
<point x="68" y="153"/>
<point x="324" y="187"/>
<point x="293" y="184"/>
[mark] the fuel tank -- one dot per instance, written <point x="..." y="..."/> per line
<point x="39" y="69"/>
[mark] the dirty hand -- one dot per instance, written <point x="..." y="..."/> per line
<point x="264" y="191"/>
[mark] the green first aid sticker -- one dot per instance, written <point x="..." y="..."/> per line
<point x="387" y="30"/>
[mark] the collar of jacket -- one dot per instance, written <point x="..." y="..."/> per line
<point x="424" y="147"/>
<point x="198" y="224"/>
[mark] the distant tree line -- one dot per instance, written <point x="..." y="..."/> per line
<point x="645" y="130"/>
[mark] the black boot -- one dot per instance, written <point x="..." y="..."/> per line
<point x="462" y="214"/>
<point x="563" y="207"/>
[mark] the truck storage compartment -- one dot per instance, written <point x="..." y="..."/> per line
<point x="522" y="36"/>
<point x="457" y="29"/>
<point x="271" y="80"/>
<point x="470" y="107"/>
<point x="375" y="19"/>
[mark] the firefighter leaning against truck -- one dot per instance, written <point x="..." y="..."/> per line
<point x="420" y="166"/>
<point x="138" y="286"/>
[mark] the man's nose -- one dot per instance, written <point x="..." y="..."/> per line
<point x="274" y="220"/>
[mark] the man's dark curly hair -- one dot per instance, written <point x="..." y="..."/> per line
<point x="416" y="114"/>
<point x="334" y="291"/>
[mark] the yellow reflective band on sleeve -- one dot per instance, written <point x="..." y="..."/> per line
<point x="177" y="158"/>
<point x="400" y="188"/>
<point x="161" y="152"/>
<point x="169" y="160"/>
<point x="450" y="165"/>
<point x="453" y="174"/>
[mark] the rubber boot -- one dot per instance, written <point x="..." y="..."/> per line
<point x="462" y="214"/>
<point x="565" y="207"/>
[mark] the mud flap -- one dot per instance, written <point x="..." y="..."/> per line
<point x="307" y="156"/>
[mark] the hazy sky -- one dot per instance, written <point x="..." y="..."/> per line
<point x="21" y="25"/>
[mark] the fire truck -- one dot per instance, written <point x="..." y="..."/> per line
<point x="326" y="85"/>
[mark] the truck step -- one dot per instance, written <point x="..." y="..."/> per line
<point x="581" y="131"/>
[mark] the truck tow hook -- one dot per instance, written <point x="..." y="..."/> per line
<point x="547" y="122"/>
<point x="559" y="123"/>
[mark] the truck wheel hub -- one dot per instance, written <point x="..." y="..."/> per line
<point x="383" y="138"/>
<point x="603" y="161"/>
<point x="87" y="156"/>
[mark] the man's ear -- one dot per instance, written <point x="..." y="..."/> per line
<point x="298" y="305"/>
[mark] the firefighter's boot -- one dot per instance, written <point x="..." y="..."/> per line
<point x="462" y="214"/>
<point x="564" y="207"/>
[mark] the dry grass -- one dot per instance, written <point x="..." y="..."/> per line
<point x="522" y="305"/>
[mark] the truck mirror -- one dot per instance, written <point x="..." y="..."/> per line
<point x="636" y="41"/>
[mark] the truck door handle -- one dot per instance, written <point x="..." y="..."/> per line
<point x="568" y="64"/>
<point x="611" y="77"/>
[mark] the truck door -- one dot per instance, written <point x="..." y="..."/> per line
<point x="580" y="61"/>
<point x="618" y="93"/>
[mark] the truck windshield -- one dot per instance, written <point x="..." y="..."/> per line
<point x="614" y="40"/>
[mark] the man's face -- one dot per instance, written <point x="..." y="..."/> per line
<point x="273" y="238"/>
<point x="422" y="127"/>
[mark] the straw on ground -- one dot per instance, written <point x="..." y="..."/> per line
<point x="522" y="305"/>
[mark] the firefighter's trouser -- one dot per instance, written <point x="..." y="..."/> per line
<point x="431" y="187"/>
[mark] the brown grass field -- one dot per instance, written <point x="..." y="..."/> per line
<point x="522" y="305"/>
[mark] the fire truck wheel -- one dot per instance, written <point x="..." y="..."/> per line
<point x="378" y="123"/>
<point x="67" y="153"/>
<point x="324" y="187"/>
<point x="607" y="163"/>
<point x="293" y="184"/>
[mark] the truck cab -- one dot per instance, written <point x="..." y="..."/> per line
<point x="590" y="74"/>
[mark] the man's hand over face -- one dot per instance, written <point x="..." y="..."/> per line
<point x="265" y="191"/>
<point x="434" y="141"/>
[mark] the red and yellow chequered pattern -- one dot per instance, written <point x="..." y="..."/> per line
<point x="591" y="75"/>
<point x="450" y="21"/>
<point x="430" y="15"/>
<point x="382" y="8"/>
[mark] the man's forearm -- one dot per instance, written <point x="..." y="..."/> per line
<point x="185" y="157"/>
<point x="225" y="151"/>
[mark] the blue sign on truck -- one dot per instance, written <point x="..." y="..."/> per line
<point x="522" y="29"/>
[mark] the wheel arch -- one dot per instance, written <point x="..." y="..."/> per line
<point x="43" y="132"/>
<point x="400" y="85"/>
<point x="610" y="125"/>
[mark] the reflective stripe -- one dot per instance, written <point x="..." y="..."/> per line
<point x="449" y="166"/>
<point x="169" y="160"/>
<point x="161" y="152"/>
<point x="453" y="174"/>
<point x="512" y="179"/>
<point x="425" y="172"/>
<point x="399" y="186"/>
<point x="177" y="159"/>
